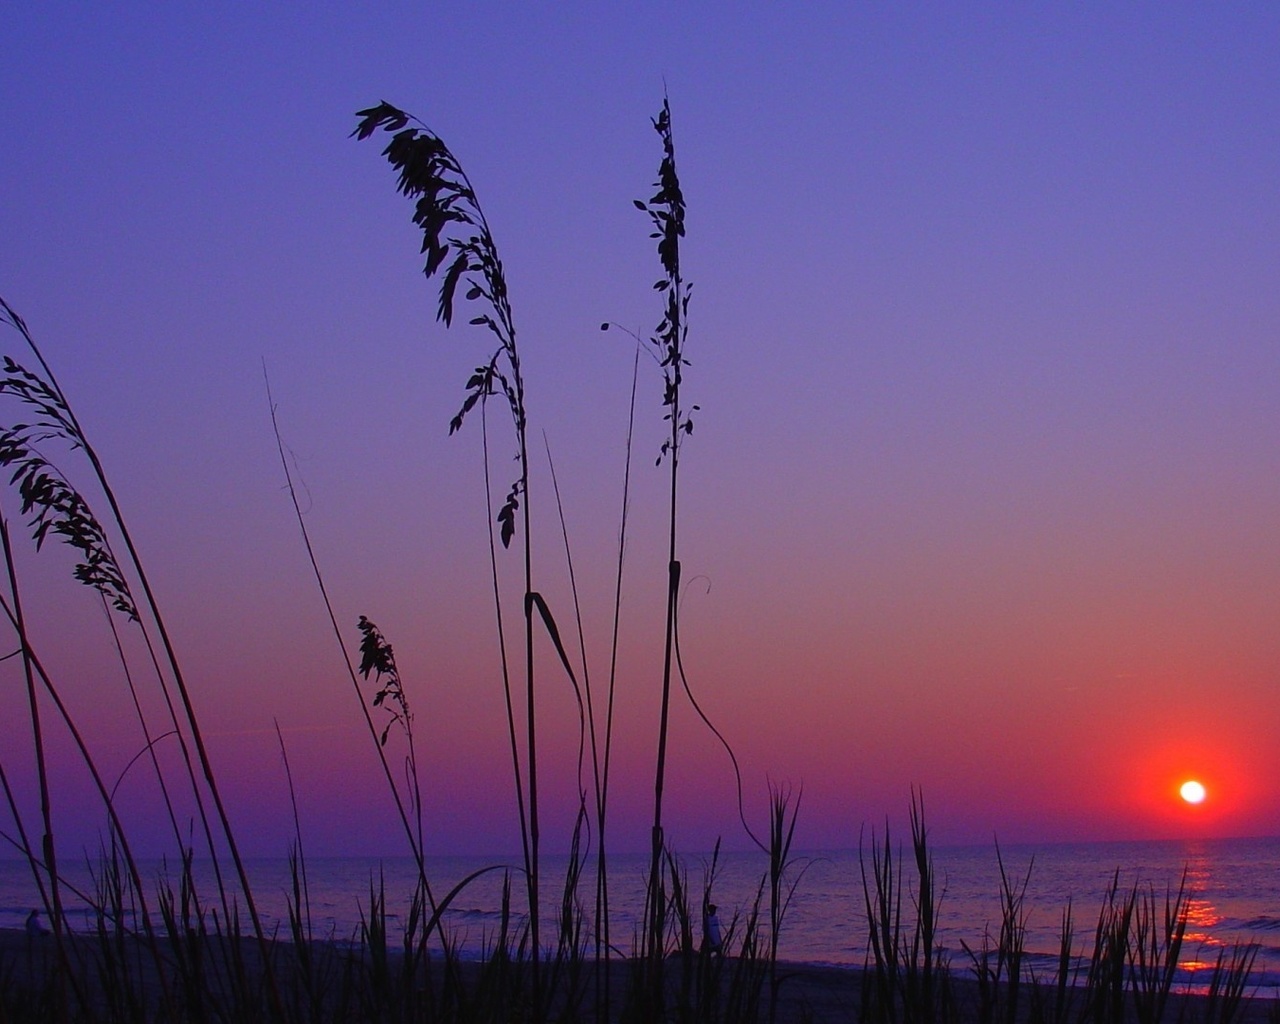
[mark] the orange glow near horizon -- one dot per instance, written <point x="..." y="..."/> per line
<point x="1221" y="759"/>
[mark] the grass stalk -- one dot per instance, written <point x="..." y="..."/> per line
<point x="76" y="524"/>
<point x="921" y="965"/>
<point x="1013" y="935"/>
<point x="882" y="900"/>
<point x="48" y="847"/>
<point x="782" y="828"/>
<point x="1051" y="1002"/>
<point x="1105" y="979"/>
<point x="666" y="212"/>
<point x="411" y="833"/>
<point x="38" y="673"/>
<point x="1155" y="944"/>
<point x="1229" y="983"/>
<point x="603" y="946"/>
<point x="456" y="231"/>
<point x="150" y="741"/>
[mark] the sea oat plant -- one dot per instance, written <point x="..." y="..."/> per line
<point x="459" y="246"/>
<point x="666" y="212"/>
<point x="56" y="509"/>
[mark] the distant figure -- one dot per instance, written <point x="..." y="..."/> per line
<point x="34" y="928"/>
<point x="711" y="941"/>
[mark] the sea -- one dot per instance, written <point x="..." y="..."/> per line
<point x="1232" y="891"/>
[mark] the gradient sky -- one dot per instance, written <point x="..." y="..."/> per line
<point x="984" y="489"/>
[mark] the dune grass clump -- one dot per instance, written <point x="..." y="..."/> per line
<point x="198" y="964"/>
<point x="1126" y="974"/>
<point x="55" y="507"/>
<point x="460" y="251"/>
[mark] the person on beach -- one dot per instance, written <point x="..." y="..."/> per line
<point x="711" y="941"/>
<point x="34" y="928"/>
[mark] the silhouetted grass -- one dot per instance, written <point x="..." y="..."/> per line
<point x="165" y="950"/>
<point x="1128" y="975"/>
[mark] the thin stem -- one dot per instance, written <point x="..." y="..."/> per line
<point x="666" y="211"/>
<point x="502" y="650"/>
<point x="414" y="845"/>
<point x="586" y="714"/>
<point x="151" y="742"/>
<point x="95" y="775"/>
<point x="603" y="945"/>
<point x="47" y="845"/>
<point x="170" y="652"/>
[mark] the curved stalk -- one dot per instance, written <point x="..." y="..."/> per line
<point x="79" y="439"/>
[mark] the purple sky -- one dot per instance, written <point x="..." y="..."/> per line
<point x="984" y="489"/>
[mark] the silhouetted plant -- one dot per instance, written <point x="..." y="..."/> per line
<point x="1105" y="980"/>
<point x="378" y="657"/>
<point x="371" y="657"/>
<point x="1051" y="1001"/>
<point x="784" y="810"/>
<point x="882" y="899"/>
<point x="666" y="210"/>
<point x="56" y="507"/>
<point x="455" y="231"/>
<point x="205" y="973"/>
<point x="1229" y="982"/>
<point x="922" y="967"/>
<point x="1154" y="947"/>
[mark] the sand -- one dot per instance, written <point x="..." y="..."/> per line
<point x="806" y="992"/>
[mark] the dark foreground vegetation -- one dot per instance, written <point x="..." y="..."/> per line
<point x="1120" y="971"/>
<point x="174" y="950"/>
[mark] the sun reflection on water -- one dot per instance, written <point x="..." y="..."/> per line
<point x="1200" y="949"/>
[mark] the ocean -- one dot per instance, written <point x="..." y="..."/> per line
<point x="1233" y="886"/>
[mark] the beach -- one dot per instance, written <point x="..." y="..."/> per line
<point x="824" y="939"/>
<point x="338" y="981"/>
<point x="343" y="619"/>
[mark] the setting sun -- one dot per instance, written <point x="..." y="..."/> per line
<point x="1192" y="792"/>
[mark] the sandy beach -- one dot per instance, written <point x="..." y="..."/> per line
<point x="806" y="992"/>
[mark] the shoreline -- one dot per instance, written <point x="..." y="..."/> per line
<point x="806" y="991"/>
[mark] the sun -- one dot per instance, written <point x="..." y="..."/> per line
<point x="1192" y="792"/>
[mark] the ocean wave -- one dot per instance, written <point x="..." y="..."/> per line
<point x="476" y="914"/>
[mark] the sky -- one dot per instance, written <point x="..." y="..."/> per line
<point x="982" y="494"/>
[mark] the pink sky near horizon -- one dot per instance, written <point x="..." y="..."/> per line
<point x="983" y="490"/>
